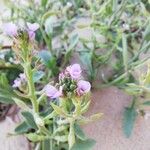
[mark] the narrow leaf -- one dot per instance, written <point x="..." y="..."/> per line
<point x="22" y="128"/>
<point x="35" y="137"/>
<point x="37" y="75"/>
<point x="29" y="119"/>
<point x="146" y="103"/>
<point x="79" y="132"/>
<point x="58" y="110"/>
<point x="130" y="115"/>
<point x="84" y="145"/>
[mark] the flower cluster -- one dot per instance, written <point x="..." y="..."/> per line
<point x="70" y="82"/>
<point x="12" y="30"/>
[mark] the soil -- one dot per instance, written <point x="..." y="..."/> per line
<point x="8" y="142"/>
<point x="108" y="130"/>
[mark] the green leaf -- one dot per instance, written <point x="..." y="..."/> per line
<point x="6" y="92"/>
<point x="86" y="59"/>
<point x="4" y="80"/>
<point x="146" y="103"/>
<point x="37" y="75"/>
<point x="90" y="119"/>
<point x="85" y="107"/>
<point x="6" y="100"/>
<point x="73" y="42"/>
<point x="58" y="110"/>
<point x="79" y="132"/>
<point x="44" y="2"/>
<point x="29" y="119"/>
<point x="84" y="145"/>
<point x="130" y="115"/>
<point x="46" y="57"/>
<point x="35" y="137"/>
<point x="6" y="95"/>
<point x="21" y="104"/>
<point x="49" y="24"/>
<point x="147" y="33"/>
<point x="47" y="15"/>
<point x="49" y="61"/>
<point x="22" y="128"/>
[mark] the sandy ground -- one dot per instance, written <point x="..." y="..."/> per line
<point x="108" y="131"/>
<point x="11" y="142"/>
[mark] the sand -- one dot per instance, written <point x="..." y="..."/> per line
<point x="108" y="131"/>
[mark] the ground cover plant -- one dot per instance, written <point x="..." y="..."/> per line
<point x="101" y="35"/>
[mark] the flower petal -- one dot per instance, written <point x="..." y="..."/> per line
<point x="33" y="26"/>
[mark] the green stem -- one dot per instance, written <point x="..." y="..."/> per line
<point x="31" y="87"/>
<point x="71" y="136"/>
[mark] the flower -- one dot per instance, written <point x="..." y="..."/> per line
<point x="83" y="87"/>
<point x="74" y="71"/>
<point x="17" y="83"/>
<point x="52" y="92"/>
<point x="10" y="29"/>
<point x="32" y="27"/>
<point x="22" y="76"/>
<point x="20" y="80"/>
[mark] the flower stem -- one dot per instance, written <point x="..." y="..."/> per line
<point x="31" y="86"/>
<point x="71" y="136"/>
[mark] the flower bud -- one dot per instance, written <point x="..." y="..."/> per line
<point x="39" y="121"/>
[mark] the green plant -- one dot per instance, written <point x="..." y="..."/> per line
<point x="52" y="114"/>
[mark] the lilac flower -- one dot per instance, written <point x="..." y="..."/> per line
<point x="10" y="29"/>
<point x="17" y="83"/>
<point x="31" y="29"/>
<point x="74" y="71"/>
<point x="22" y="76"/>
<point x="83" y="87"/>
<point x="32" y="26"/>
<point x="52" y="92"/>
<point x="20" y="80"/>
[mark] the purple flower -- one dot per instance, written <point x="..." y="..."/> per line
<point x="52" y="92"/>
<point x="31" y="29"/>
<point x="74" y="71"/>
<point x="83" y="87"/>
<point x="17" y="83"/>
<point x="10" y="29"/>
<point x="32" y="26"/>
<point x="22" y="77"/>
<point x="20" y="80"/>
